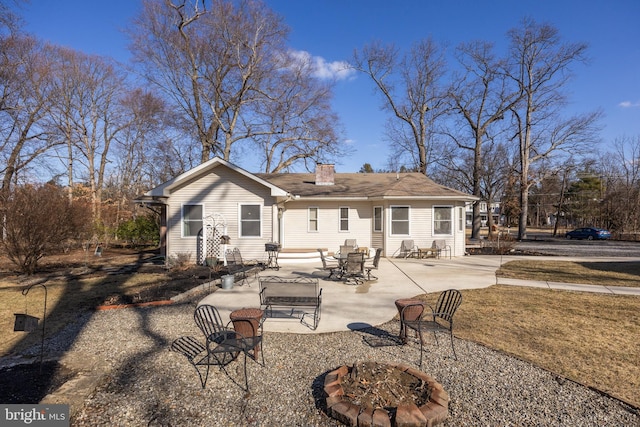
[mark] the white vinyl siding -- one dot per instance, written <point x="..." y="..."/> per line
<point x="220" y="192"/>
<point x="442" y="220"/>
<point x="296" y="220"/>
<point x="400" y="224"/>
<point x="192" y="220"/>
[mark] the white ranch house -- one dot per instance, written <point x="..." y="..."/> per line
<point x="303" y="212"/>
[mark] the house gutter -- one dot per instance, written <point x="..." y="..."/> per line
<point x="376" y="198"/>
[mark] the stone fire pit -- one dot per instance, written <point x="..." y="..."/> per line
<point x="369" y="394"/>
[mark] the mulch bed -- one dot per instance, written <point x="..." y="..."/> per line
<point x="31" y="382"/>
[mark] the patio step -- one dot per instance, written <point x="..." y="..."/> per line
<point x="300" y="255"/>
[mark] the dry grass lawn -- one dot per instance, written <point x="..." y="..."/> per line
<point x="621" y="273"/>
<point x="65" y="300"/>
<point x="589" y="338"/>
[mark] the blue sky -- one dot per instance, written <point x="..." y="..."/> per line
<point x="330" y="30"/>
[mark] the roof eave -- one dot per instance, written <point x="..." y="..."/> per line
<point x="372" y="198"/>
<point x="150" y="200"/>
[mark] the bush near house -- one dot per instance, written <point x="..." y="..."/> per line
<point x="142" y="230"/>
<point x="40" y="220"/>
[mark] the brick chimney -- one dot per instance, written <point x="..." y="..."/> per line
<point x="324" y="174"/>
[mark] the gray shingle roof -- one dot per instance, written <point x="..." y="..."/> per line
<point x="358" y="185"/>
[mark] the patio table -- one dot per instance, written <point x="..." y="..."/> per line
<point x="342" y="261"/>
<point x="427" y="252"/>
<point x="247" y="322"/>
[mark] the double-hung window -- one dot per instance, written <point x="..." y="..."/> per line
<point x="191" y="220"/>
<point x="313" y="219"/>
<point x="250" y="221"/>
<point x="442" y="220"/>
<point x="344" y="218"/>
<point x="377" y="219"/>
<point x="400" y="220"/>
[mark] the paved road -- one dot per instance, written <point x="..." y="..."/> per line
<point x="548" y="245"/>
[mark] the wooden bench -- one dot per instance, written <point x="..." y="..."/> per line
<point x="293" y="293"/>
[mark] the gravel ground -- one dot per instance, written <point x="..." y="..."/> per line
<point x="148" y="384"/>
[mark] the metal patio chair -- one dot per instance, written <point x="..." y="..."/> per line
<point x="351" y="242"/>
<point x="354" y="267"/>
<point x="408" y="248"/>
<point x="333" y="267"/>
<point x="222" y="344"/>
<point x="439" y="246"/>
<point x="436" y="319"/>
<point x="374" y="264"/>
<point x="236" y="265"/>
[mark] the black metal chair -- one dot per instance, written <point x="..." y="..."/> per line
<point x="222" y="345"/>
<point x="374" y="264"/>
<point x="331" y="267"/>
<point x="437" y="319"/>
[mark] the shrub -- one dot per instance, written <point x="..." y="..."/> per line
<point x="179" y="261"/>
<point x="39" y="220"/>
<point x="501" y="243"/>
<point x="140" y="230"/>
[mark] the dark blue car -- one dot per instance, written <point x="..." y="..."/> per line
<point x="589" y="233"/>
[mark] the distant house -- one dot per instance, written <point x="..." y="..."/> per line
<point x="485" y="211"/>
<point x="217" y="204"/>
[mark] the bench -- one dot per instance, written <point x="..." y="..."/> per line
<point x="293" y="293"/>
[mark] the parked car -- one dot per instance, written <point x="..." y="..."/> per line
<point x="589" y="233"/>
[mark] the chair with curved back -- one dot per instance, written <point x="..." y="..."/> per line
<point x="408" y="249"/>
<point x="223" y="344"/>
<point x="346" y="249"/>
<point x="439" y="246"/>
<point x="331" y="267"/>
<point x="354" y="267"/>
<point x="374" y="264"/>
<point x="351" y="242"/>
<point x="434" y="319"/>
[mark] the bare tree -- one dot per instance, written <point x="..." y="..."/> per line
<point x="294" y="121"/>
<point x="481" y="95"/>
<point x="210" y="62"/>
<point x="143" y="113"/>
<point x="88" y="115"/>
<point x="9" y="21"/>
<point x="540" y="68"/>
<point x="411" y="91"/>
<point x="26" y="87"/>
<point x="620" y="174"/>
<point x="496" y="167"/>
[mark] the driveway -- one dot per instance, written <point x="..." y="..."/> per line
<point x="545" y="244"/>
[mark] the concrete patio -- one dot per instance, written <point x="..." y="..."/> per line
<point x="346" y="306"/>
